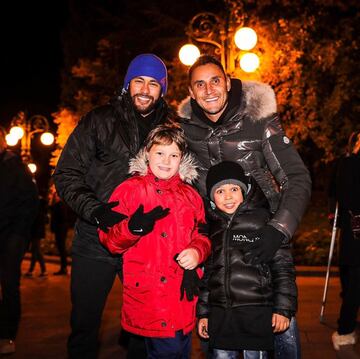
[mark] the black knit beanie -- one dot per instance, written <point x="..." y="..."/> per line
<point x="226" y="172"/>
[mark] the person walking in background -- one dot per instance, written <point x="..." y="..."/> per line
<point x="37" y="234"/>
<point x="93" y="162"/>
<point x="242" y="305"/>
<point x="18" y="210"/>
<point x="233" y="120"/>
<point x="59" y="226"/>
<point x="161" y="242"/>
<point x="347" y="195"/>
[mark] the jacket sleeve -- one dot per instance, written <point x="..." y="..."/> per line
<point x="284" y="283"/>
<point x="73" y="166"/>
<point x="202" y="306"/>
<point x="119" y="238"/>
<point x="291" y="175"/>
<point x="198" y="240"/>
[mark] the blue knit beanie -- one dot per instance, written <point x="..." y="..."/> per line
<point x="147" y="65"/>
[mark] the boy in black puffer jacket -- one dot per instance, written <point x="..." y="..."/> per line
<point x="242" y="305"/>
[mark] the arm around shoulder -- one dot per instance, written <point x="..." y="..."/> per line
<point x="291" y="175"/>
<point x="199" y="241"/>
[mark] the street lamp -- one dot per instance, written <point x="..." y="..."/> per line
<point x="229" y="40"/>
<point x="24" y="128"/>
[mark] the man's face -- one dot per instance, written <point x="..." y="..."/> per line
<point x="209" y="88"/>
<point x="145" y="92"/>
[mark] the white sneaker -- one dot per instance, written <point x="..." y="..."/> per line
<point x="346" y="339"/>
<point x="7" y="346"/>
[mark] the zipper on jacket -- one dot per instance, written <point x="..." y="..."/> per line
<point x="227" y="264"/>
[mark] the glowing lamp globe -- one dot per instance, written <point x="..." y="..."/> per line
<point x="245" y="38"/>
<point x="47" y="138"/>
<point x="249" y="62"/>
<point x="188" y="54"/>
<point x="32" y="167"/>
<point x="17" y="132"/>
<point x="11" y="140"/>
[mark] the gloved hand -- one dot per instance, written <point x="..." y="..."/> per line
<point x="190" y="284"/>
<point x="263" y="249"/>
<point x="141" y="223"/>
<point x="104" y="217"/>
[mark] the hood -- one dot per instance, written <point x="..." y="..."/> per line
<point x="260" y="101"/>
<point x="187" y="171"/>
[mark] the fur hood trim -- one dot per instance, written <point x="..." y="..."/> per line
<point x="260" y="101"/>
<point x="187" y="171"/>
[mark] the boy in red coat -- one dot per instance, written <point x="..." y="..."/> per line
<point x="165" y="217"/>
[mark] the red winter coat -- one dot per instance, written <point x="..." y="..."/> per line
<point x="152" y="278"/>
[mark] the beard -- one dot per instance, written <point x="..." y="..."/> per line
<point x="144" y="109"/>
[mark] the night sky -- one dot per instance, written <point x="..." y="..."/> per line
<point x="31" y="57"/>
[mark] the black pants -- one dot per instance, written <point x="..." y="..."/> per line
<point x="91" y="282"/>
<point x="11" y="254"/>
<point x="60" y="240"/>
<point x="36" y="255"/>
<point x="350" y="281"/>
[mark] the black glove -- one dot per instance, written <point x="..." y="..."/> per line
<point x="104" y="217"/>
<point x="263" y="249"/>
<point x="190" y="284"/>
<point x="142" y="223"/>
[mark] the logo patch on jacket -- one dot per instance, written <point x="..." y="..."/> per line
<point x="241" y="238"/>
<point x="286" y="140"/>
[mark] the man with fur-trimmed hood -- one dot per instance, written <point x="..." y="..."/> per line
<point x="230" y="120"/>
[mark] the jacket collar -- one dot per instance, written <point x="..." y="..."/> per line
<point x="187" y="171"/>
<point x="257" y="101"/>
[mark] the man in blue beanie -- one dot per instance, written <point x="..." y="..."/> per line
<point x="93" y="162"/>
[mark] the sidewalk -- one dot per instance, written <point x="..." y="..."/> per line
<point x="46" y="307"/>
<point x="307" y="271"/>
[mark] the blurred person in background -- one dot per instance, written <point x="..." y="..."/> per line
<point x="18" y="210"/>
<point x="346" y="192"/>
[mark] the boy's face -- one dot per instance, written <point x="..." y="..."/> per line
<point x="164" y="160"/>
<point x="228" y="198"/>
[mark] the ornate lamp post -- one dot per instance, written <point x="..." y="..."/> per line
<point x="23" y="128"/>
<point x="227" y="37"/>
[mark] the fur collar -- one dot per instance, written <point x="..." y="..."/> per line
<point x="260" y="101"/>
<point x="188" y="169"/>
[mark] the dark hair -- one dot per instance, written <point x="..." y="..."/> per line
<point x="204" y="60"/>
<point x="165" y="135"/>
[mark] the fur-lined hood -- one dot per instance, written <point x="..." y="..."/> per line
<point x="260" y="101"/>
<point x="187" y="171"/>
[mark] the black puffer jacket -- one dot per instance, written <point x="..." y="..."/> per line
<point x="18" y="198"/>
<point x="94" y="161"/>
<point x="251" y="134"/>
<point x="228" y="281"/>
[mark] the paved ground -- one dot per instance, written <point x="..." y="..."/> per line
<point x="46" y="305"/>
